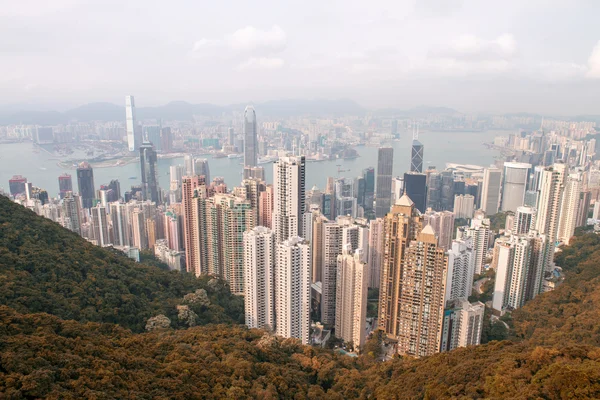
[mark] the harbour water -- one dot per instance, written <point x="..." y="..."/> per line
<point x="41" y="167"/>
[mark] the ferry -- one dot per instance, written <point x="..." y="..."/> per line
<point x="230" y="156"/>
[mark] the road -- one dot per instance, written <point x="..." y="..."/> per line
<point x="478" y="285"/>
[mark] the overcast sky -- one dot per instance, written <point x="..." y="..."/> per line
<point x="473" y="55"/>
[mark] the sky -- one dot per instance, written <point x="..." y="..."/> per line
<point x="538" y="56"/>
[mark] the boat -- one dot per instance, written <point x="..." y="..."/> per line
<point x="133" y="177"/>
<point x="230" y="156"/>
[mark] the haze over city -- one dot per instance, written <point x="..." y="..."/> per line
<point x="511" y="56"/>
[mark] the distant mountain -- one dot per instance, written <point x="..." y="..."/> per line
<point x="416" y="112"/>
<point x="181" y="110"/>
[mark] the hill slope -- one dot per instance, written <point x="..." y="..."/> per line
<point x="46" y="268"/>
<point x="554" y="353"/>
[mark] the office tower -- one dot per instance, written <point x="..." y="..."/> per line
<point x="385" y="159"/>
<point x="416" y="189"/>
<point x="490" y="191"/>
<point x="265" y="207"/>
<point x="569" y="209"/>
<point x="421" y="296"/>
<point x="583" y="207"/>
<point x="250" y="156"/>
<point x="369" y="191"/>
<point x="188" y="164"/>
<point x="138" y="229"/>
<point x="464" y="206"/>
<point x="72" y="213"/>
<point x="230" y="137"/>
<point x="259" y="277"/>
<point x="201" y="168"/>
<point x="115" y="186"/>
<point x="401" y="226"/>
<point x="85" y="182"/>
<point x="514" y="185"/>
<point x="531" y="198"/>
<point x="416" y="155"/>
<point x="447" y="202"/>
<point x="176" y="173"/>
<point x="65" y="184"/>
<point x="519" y="270"/>
<point x="552" y="183"/>
<point x="133" y="131"/>
<point x="193" y="191"/>
<point x="149" y="173"/>
<point x="351" y="297"/>
<point x="151" y="133"/>
<point x="463" y="323"/>
<point x="166" y="139"/>
<point x="289" y="197"/>
<point x="17" y="185"/>
<point x="375" y="257"/>
<point x="461" y="268"/>
<point x="120" y="224"/>
<point x="442" y="223"/>
<point x="524" y="220"/>
<point x="434" y="191"/>
<point x="100" y="226"/>
<point x="292" y="289"/>
<point x="480" y="232"/>
<point x="359" y="193"/>
<point x="345" y="202"/>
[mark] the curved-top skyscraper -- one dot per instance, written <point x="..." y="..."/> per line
<point x="250" y="140"/>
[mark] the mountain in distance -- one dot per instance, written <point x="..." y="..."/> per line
<point x="418" y="112"/>
<point x="181" y="110"/>
<point x="71" y="314"/>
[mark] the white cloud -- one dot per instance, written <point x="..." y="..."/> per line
<point x="471" y="47"/>
<point x="251" y="39"/>
<point x="594" y="63"/>
<point x="560" y="71"/>
<point x="262" y="63"/>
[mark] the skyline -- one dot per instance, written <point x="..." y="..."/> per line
<point x="391" y="54"/>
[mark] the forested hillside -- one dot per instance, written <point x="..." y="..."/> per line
<point x="45" y="268"/>
<point x="554" y="353"/>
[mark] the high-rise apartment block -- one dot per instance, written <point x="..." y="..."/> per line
<point x="289" y="197"/>
<point x="351" y="297"/>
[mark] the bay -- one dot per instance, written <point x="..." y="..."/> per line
<point x="41" y="167"/>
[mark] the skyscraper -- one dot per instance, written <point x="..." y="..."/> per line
<point x="149" y="173"/>
<point x="375" y="257"/>
<point x="292" y="289"/>
<point x="193" y="190"/>
<point x="259" y="276"/>
<point x="552" y="183"/>
<point x="345" y="202"/>
<point x="289" y="197"/>
<point x="442" y="223"/>
<point x="17" y="185"/>
<point x="480" y="232"/>
<point x="72" y="213"/>
<point x="351" y="297"/>
<point x="524" y="220"/>
<point x="166" y="138"/>
<point x="133" y="131"/>
<point x="416" y="155"/>
<point x="464" y="206"/>
<point x="120" y="224"/>
<point x="100" y="226"/>
<point x="369" y="192"/>
<point x="385" y="160"/>
<point x="461" y="268"/>
<point x="265" y="207"/>
<point x="514" y="185"/>
<point x="463" y="324"/>
<point x="421" y="297"/>
<point x="415" y="188"/>
<point x="250" y="137"/>
<point x="85" y="182"/>
<point x="569" y="209"/>
<point x="201" y="168"/>
<point x="65" y="184"/>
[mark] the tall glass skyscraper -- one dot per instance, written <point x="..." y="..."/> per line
<point x="133" y="132"/>
<point x="385" y="160"/>
<point x="416" y="157"/>
<point x="85" y="182"/>
<point x="415" y="187"/>
<point x="148" y="166"/>
<point x="250" y="141"/>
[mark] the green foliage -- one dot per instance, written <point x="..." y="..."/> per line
<point x="554" y="352"/>
<point x="498" y="221"/>
<point x="45" y="268"/>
